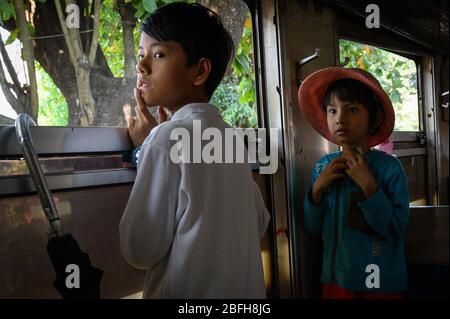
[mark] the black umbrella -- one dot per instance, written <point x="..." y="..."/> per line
<point x="75" y="276"/>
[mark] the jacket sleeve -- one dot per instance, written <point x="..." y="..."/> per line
<point x="312" y="214"/>
<point x="387" y="210"/>
<point x="147" y="224"/>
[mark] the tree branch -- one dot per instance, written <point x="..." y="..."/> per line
<point x="28" y="57"/>
<point x="8" y="64"/>
<point x="95" y="33"/>
<point x="80" y="62"/>
<point x="6" y="88"/>
<point x="75" y="40"/>
<point x="62" y="22"/>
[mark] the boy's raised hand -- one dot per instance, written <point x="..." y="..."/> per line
<point x="334" y="170"/>
<point x="140" y="126"/>
<point x="360" y="173"/>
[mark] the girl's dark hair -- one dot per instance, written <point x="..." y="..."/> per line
<point x="199" y="31"/>
<point x="356" y="91"/>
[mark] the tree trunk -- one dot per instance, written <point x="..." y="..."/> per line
<point x="233" y="14"/>
<point x="87" y="102"/>
<point x="81" y="62"/>
<point x="127" y="12"/>
<point x="28" y="57"/>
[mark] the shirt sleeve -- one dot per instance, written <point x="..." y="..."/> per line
<point x="147" y="224"/>
<point x="313" y="214"/>
<point x="387" y="210"/>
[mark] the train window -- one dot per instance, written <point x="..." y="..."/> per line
<point x="397" y="75"/>
<point x="103" y="100"/>
<point x="84" y="165"/>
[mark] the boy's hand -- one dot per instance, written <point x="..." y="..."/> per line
<point x="335" y="170"/>
<point x="360" y="173"/>
<point x="140" y="126"/>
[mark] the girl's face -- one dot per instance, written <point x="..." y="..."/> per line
<point x="348" y="122"/>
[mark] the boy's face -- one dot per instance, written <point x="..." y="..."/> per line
<point x="163" y="75"/>
<point x="348" y="122"/>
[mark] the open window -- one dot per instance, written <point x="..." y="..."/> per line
<point x="112" y="76"/>
<point x="399" y="76"/>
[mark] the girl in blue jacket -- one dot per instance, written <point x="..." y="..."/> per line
<point x="358" y="198"/>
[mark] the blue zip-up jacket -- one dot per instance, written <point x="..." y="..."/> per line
<point x="358" y="232"/>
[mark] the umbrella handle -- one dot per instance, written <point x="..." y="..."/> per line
<point x="23" y="134"/>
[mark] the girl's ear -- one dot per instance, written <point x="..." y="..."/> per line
<point x="203" y="71"/>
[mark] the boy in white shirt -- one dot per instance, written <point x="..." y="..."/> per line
<point x="195" y="227"/>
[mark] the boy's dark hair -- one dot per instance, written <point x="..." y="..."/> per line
<point x="199" y="31"/>
<point x="356" y="91"/>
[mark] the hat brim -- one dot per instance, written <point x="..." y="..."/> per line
<point x="312" y="91"/>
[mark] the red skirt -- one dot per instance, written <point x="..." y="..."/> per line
<point x="336" y="292"/>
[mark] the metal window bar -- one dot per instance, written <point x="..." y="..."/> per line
<point x="22" y="125"/>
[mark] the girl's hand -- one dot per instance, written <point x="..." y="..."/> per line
<point x="335" y="170"/>
<point x="360" y="173"/>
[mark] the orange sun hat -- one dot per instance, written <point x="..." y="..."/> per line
<point x="312" y="92"/>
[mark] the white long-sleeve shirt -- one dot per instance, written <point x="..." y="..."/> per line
<point x="195" y="228"/>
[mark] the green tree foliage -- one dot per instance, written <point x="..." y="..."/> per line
<point x="110" y="37"/>
<point x="145" y="7"/>
<point x="6" y="10"/>
<point x="236" y="95"/>
<point x="397" y="75"/>
<point x="53" y="110"/>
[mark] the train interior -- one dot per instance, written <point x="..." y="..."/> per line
<point x="90" y="180"/>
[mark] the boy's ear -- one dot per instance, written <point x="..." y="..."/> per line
<point x="203" y="70"/>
